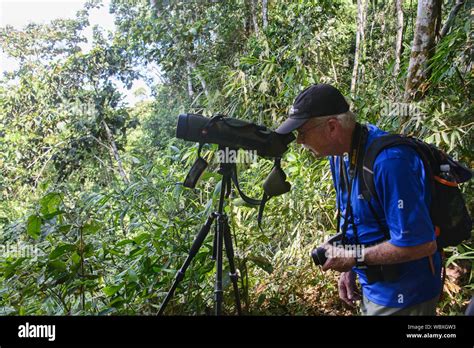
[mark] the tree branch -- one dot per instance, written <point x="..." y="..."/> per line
<point x="450" y="21"/>
<point x="115" y="152"/>
<point x="399" y="39"/>
<point x="265" y="13"/>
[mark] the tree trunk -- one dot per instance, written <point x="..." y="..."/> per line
<point x="399" y="39"/>
<point x="115" y="152"/>
<point x="188" y="77"/>
<point x="422" y="49"/>
<point x="359" y="49"/>
<point x="203" y="85"/>
<point x="192" y="65"/>
<point x="253" y="9"/>
<point x="156" y="9"/>
<point x="265" y="13"/>
<point x="450" y="20"/>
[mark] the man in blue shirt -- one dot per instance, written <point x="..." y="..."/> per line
<point x="394" y="251"/>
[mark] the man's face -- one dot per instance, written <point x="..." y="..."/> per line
<point x="314" y="136"/>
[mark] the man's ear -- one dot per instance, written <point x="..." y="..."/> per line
<point x="334" y="127"/>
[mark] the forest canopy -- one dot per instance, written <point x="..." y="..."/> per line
<point x="94" y="218"/>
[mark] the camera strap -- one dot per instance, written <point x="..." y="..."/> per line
<point x="260" y="202"/>
<point x="359" y="138"/>
<point x="251" y="201"/>
<point x="274" y="185"/>
<point x="356" y="160"/>
<point x="246" y="198"/>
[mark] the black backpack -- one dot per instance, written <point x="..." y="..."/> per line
<point x="448" y="211"/>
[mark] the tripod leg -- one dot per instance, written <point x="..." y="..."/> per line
<point x="219" y="245"/>
<point x="214" y="244"/>
<point x="230" y="256"/>
<point x="194" y="249"/>
<point x="219" y="250"/>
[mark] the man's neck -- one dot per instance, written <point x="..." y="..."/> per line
<point x="347" y="136"/>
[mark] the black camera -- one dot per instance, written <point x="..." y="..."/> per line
<point x="374" y="273"/>
<point x="233" y="133"/>
<point x="319" y="254"/>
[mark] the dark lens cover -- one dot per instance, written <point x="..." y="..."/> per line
<point x="275" y="184"/>
<point x="195" y="173"/>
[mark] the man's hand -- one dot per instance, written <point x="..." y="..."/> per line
<point x="347" y="288"/>
<point x="338" y="260"/>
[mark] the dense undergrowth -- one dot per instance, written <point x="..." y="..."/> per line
<point x="96" y="240"/>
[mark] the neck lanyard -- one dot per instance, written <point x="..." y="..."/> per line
<point x="357" y="143"/>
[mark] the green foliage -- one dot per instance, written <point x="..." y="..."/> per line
<point x="104" y="230"/>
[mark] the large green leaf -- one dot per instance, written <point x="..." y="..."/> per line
<point x="61" y="250"/>
<point x="76" y="258"/>
<point x="112" y="289"/>
<point x="50" y="203"/>
<point x="33" y="226"/>
<point x="261" y="262"/>
<point x="91" y="227"/>
<point x="57" y="265"/>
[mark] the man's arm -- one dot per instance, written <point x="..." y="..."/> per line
<point x="381" y="254"/>
<point x="387" y="253"/>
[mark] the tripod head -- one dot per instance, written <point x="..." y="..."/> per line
<point x="274" y="185"/>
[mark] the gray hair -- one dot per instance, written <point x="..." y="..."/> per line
<point x="346" y="119"/>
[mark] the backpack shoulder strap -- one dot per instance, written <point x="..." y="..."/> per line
<point x="377" y="146"/>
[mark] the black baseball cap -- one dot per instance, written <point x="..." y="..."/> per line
<point x="315" y="101"/>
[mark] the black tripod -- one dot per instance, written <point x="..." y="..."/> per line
<point x="222" y="237"/>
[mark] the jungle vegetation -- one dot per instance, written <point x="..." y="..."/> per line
<point x="90" y="187"/>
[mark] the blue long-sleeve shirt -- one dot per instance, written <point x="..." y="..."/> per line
<point x="404" y="194"/>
